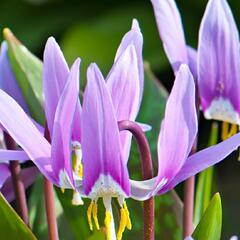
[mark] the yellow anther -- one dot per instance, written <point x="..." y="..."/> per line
<point x="224" y="134"/>
<point x="74" y="158"/>
<point x="107" y="222"/>
<point x="80" y="171"/>
<point x="62" y="190"/>
<point x="94" y="212"/>
<point x="77" y="166"/>
<point x="89" y="215"/>
<point x="122" y="224"/>
<point x="129" y="223"/>
<point x="233" y="130"/>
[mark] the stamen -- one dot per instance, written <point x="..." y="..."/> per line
<point x="129" y="223"/>
<point x="233" y="130"/>
<point x="122" y="224"/>
<point x="80" y="171"/>
<point x="89" y="215"/>
<point x="225" y="127"/>
<point x="77" y="200"/>
<point x="62" y="190"/>
<point x="94" y="212"/>
<point x="77" y="160"/>
<point x="107" y="222"/>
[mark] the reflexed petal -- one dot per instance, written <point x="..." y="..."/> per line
<point x="4" y="173"/>
<point x="62" y="128"/>
<point x="134" y="37"/>
<point x="218" y="56"/>
<point x="101" y="147"/>
<point x="8" y="82"/>
<point x="28" y="176"/>
<point x="25" y="133"/>
<point x="204" y="159"/>
<point x="171" y="31"/>
<point x="123" y="85"/>
<point x="55" y="74"/>
<point x="7" y="155"/>
<point x="143" y="190"/>
<point x="180" y="126"/>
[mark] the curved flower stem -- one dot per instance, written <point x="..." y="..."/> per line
<point x="189" y="187"/>
<point x="146" y="162"/>
<point x="49" y="202"/>
<point x="188" y="207"/>
<point x="18" y="185"/>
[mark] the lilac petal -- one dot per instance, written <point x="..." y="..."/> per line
<point x="38" y="126"/>
<point x="62" y="128"/>
<point x="218" y="56"/>
<point x="192" y="61"/>
<point x="180" y="126"/>
<point x="4" y="173"/>
<point x="55" y="74"/>
<point x="134" y="37"/>
<point x="28" y="176"/>
<point x="7" y="155"/>
<point x="171" y="31"/>
<point x="101" y="147"/>
<point x="25" y="133"/>
<point x="8" y="82"/>
<point x="204" y="159"/>
<point x="123" y="85"/>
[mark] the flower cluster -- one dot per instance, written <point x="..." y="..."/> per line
<point x="82" y="147"/>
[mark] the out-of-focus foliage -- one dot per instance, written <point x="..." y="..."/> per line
<point x="38" y="221"/>
<point x="11" y="225"/>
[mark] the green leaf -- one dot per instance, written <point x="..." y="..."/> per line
<point x="205" y="181"/>
<point x="11" y="225"/>
<point x="210" y="225"/>
<point x="28" y="71"/>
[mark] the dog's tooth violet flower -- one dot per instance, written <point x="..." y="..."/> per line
<point x="219" y="66"/>
<point x="52" y="160"/>
<point x="215" y="65"/>
<point x="172" y="35"/>
<point x="105" y="170"/>
<point x="55" y="76"/>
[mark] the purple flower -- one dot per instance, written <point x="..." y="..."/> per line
<point x="105" y="171"/>
<point x="218" y="63"/>
<point x="8" y="83"/>
<point x="52" y="160"/>
<point x="63" y="110"/>
<point x="172" y="35"/>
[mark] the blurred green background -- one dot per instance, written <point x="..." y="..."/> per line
<point x="93" y="30"/>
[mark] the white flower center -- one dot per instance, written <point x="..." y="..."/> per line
<point x="221" y="109"/>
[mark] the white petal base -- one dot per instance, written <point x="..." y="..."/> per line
<point x="143" y="190"/>
<point x="221" y="109"/>
<point x="106" y="186"/>
<point x="64" y="180"/>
